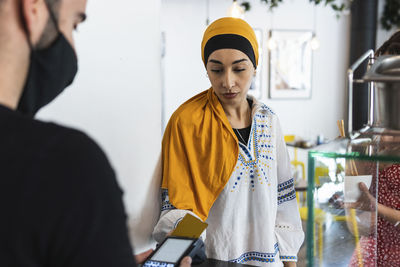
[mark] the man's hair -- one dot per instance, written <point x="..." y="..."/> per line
<point x="391" y="46"/>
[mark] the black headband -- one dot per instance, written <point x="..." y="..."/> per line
<point x="233" y="41"/>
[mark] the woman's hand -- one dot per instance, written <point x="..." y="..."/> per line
<point x="366" y="202"/>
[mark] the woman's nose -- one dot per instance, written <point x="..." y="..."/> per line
<point x="228" y="80"/>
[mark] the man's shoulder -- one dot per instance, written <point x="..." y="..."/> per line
<point x="71" y="150"/>
<point x="75" y="159"/>
<point x="55" y="137"/>
<point x="36" y="138"/>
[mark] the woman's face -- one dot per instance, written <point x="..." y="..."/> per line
<point x="230" y="72"/>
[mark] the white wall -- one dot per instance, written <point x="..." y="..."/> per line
<point x="116" y="99"/>
<point x="184" y="23"/>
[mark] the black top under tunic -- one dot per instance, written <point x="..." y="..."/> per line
<point x="60" y="203"/>
<point x="244" y="133"/>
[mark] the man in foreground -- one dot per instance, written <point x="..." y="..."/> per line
<point x="60" y="201"/>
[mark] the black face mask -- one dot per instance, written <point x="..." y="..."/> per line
<point x="51" y="70"/>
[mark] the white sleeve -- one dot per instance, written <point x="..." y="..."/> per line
<point x="288" y="228"/>
<point x="169" y="218"/>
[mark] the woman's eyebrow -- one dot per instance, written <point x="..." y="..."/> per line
<point x="238" y="61"/>
<point x="215" y="61"/>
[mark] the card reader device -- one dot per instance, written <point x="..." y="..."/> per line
<point x="174" y="249"/>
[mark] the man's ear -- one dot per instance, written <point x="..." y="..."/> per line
<point x="35" y="16"/>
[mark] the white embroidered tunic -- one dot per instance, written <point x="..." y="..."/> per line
<point x="255" y="220"/>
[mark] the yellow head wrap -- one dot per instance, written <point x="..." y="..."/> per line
<point x="230" y="26"/>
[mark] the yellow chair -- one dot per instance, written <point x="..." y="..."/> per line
<point x="320" y="171"/>
<point x="295" y="162"/>
<point x="289" y="138"/>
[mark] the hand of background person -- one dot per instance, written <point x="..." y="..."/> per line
<point x="366" y="202"/>
<point x="140" y="258"/>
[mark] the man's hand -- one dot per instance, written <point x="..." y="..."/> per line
<point x="186" y="262"/>
<point x="140" y="258"/>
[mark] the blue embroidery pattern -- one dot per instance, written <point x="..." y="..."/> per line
<point x="166" y="205"/>
<point x="255" y="159"/>
<point x="252" y="159"/>
<point x="288" y="257"/>
<point x="286" y="185"/>
<point x="257" y="256"/>
<point x="287" y="197"/>
<point x="254" y="142"/>
<point x="265" y="107"/>
<point x="286" y="191"/>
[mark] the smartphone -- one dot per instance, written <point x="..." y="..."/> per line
<point x="173" y="250"/>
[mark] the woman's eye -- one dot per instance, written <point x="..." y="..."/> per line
<point x="216" y="71"/>
<point x="239" y="70"/>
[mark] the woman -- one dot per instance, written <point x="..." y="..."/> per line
<point x="224" y="160"/>
<point x="386" y="250"/>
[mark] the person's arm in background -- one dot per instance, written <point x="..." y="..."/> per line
<point x="389" y="214"/>
<point x="367" y="202"/>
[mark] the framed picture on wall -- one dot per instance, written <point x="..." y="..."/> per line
<point x="255" y="87"/>
<point x="290" y="63"/>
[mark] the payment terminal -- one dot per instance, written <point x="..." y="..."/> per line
<point x="174" y="249"/>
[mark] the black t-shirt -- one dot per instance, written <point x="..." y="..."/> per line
<point x="60" y="204"/>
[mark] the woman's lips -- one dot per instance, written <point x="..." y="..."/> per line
<point x="230" y="95"/>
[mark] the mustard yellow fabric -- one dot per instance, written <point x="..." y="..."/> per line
<point x="230" y="25"/>
<point x="199" y="154"/>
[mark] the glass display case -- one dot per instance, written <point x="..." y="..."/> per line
<point x="347" y="177"/>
